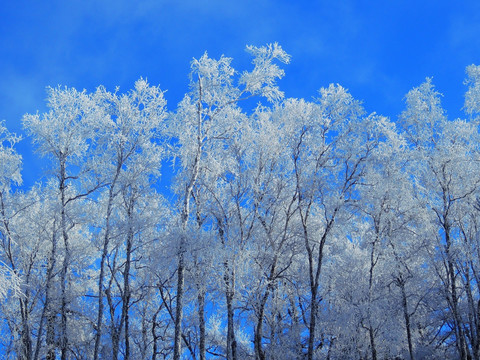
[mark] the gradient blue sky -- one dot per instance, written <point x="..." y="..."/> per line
<point x="377" y="49"/>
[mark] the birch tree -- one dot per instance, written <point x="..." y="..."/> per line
<point x="329" y="152"/>
<point x="446" y="177"/>
<point x="208" y="114"/>
<point x="127" y="143"/>
<point x="64" y="135"/>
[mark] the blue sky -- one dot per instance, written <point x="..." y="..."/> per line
<point x="377" y="49"/>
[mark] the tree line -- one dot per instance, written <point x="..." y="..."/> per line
<point x="292" y="229"/>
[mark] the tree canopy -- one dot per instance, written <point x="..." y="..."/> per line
<point x="292" y="229"/>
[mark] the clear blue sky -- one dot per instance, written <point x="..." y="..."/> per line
<point x="377" y="49"/>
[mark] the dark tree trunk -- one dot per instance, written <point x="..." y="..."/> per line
<point x="127" y="294"/>
<point x="259" y="352"/>
<point x="406" y="316"/>
<point x="47" y="312"/>
<point x="66" y="262"/>
<point x="371" y="332"/>
<point x="179" y="309"/>
<point x="201" y="323"/>
<point x="106" y="240"/>
<point x="231" y="342"/>
<point x="460" y="337"/>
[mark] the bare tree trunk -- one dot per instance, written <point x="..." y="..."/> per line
<point x="126" y="292"/>
<point x="471" y="329"/>
<point x="106" y="240"/>
<point x="406" y="316"/>
<point x="98" y="334"/>
<point x="313" y="322"/>
<point x="314" y="277"/>
<point x="177" y="349"/>
<point x="26" y="341"/>
<point x="63" y="309"/>
<point x="372" y="342"/>
<point x="115" y="342"/>
<point x="314" y="270"/>
<point x="155" y="337"/>
<point x="259" y="353"/>
<point x="168" y="306"/>
<point x="231" y="342"/>
<point x="144" y="344"/>
<point x="189" y="186"/>
<point x="114" y="328"/>
<point x="201" y="323"/>
<point x="51" y="344"/>
<point x="65" y="265"/>
<point x="371" y="332"/>
<point x="47" y="310"/>
<point x="179" y="309"/>
<point x="229" y="282"/>
<point x="460" y="337"/>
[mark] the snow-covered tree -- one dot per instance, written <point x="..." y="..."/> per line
<point x="204" y="120"/>
<point x="292" y="229"/>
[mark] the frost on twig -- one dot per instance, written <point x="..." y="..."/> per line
<point x="9" y="282"/>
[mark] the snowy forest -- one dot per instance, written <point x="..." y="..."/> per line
<point x="291" y="229"/>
